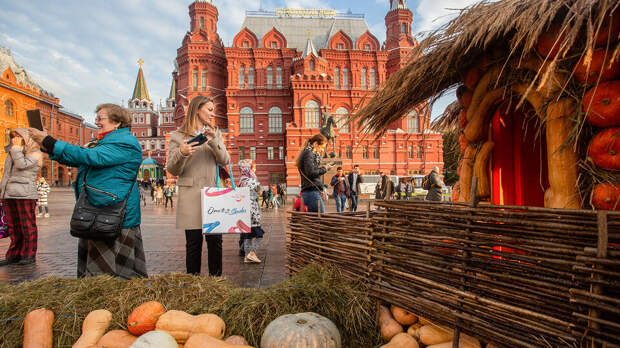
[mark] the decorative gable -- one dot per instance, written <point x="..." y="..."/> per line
<point x="340" y="41"/>
<point x="9" y="76"/>
<point x="367" y="42"/>
<point x="245" y="39"/>
<point x="273" y="39"/>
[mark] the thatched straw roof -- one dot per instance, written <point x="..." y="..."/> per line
<point x="498" y="31"/>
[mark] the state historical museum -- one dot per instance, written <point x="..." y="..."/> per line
<point x="284" y="70"/>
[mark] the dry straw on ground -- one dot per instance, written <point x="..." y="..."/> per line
<point x="245" y="311"/>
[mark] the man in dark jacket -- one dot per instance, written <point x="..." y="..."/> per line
<point x="387" y="186"/>
<point x="355" y="179"/>
<point x="341" y="189"/>
<point x="435" y="186"/>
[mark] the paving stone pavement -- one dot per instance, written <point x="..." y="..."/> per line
<point x="164" y="246"/>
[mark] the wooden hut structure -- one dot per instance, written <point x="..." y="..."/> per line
<point x="539" y="100"/>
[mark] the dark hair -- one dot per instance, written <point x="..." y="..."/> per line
<point x="339" y="168"/>
<point x="356" y="166"/>
<point x="317" y="138"/>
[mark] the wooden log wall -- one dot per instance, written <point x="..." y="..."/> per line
<point x="515" y="276"/>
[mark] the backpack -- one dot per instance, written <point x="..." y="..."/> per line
<point x="426" y="182"/>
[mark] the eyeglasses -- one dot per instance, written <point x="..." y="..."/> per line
<point x="99" y="118"/>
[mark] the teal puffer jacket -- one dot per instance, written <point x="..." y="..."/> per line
<point x="111" y="170"/>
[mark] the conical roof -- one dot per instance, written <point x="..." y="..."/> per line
<point x="309" y="48"/>
<point x="173" y="90"/>
<point x="140" y="91"/>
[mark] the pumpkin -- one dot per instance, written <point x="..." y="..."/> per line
<point x="602" y="104"/>
<point x="412" y="329"/>
<point x="236" y="339"/>
<point x="117" y="339"/>
<point x="481" y="90"/>
<point x="144" y="317"/>
<point x="456" y="191"/>
<point x="94" y="326"/>
<point x="477" y="126"/>
<point x="604" y="149"/>
<point x="467" y="168"/>
<point x="549" y="41"/>
<point x="155" y="339"/>
<point x="609" y="29"/>
<point x="387" y="325"/>
<point x="465" y="341"/>
<point x="481" y="169"/>
<point x="403" y="316"/>
<point x="205" y="341"/>
<point x="38" y="329"/>
<point x="472" y="76"/>
<point x="424" y="321"/>
<point x="606" y="196"/>
<point x="182" y="325"/>
<point x="401" y="340"/>
<point x="433" y="334"/>
<point x="599" y="65"/>
<point x="462" y="119"/>
<point x="491" y="345"/>
<point x="308" y="330"/>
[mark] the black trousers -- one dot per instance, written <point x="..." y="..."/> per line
<point x="193" y="252"/>
<point x="171" y="204"/>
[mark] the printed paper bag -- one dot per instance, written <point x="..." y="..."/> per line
<point x="225" y="210"/>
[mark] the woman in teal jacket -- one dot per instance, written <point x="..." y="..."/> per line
<point x="110" y="164"/>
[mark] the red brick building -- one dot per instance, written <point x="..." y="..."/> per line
<point x="287" y="67"/>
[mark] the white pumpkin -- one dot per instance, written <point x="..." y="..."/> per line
<point x="155" y="339"/>
<point x="308" y="330"/>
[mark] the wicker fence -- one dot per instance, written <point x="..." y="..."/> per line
<point x="517" y="276"/>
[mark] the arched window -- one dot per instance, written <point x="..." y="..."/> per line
<point x="412" y="122"/>
<point x="8" y="108"/>
<point x="251" y="77"/>
<point x="345" y="78"/>
<point x="341" y="120"/>
<point x="403" y="27"/>
<point x="312" y="114"/>
<point x="204" y="80"/>
<point x="278" y="77"/>
<point x="372" y="79"/>
<point x="242" y="77"/>
<point x="275" y="120"/>
<point x="311" y="65"/>
<point x="246" y="121"/>
<point x="337" y="78"/>
<point x="269" y="77"/>
<point x="195" y="79"/>
<point x="364" y="78"/>
<point x="202" y="22"/>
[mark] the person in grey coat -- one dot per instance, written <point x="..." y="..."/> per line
<point x="436" y="186"/>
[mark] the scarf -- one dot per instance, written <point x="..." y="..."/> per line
<point x="248" y="177"/>
<point x="315" y="156"/>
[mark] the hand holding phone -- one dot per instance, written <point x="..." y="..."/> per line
<point x="188" y="148"/>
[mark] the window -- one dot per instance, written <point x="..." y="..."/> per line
<point x="341" y="120"/>
<point x="162" y="146"/>
<point x="412" y="122"/>
<point x="340" y="46"/>
<point x="246" y="44"/>
<point x="204" y="80"/>
<point x="278" y="77"/>
<point x="276" y="178"/>
<point x="253" y="153"/>
<point x="270" y="153"/>
<point x="241" y="153"/>
<point x="375" y="152"/>
<point x="246" y="121"/>
<point x="419" y="151"/>
<point x="349" y="153"/>
<point x="7" y="136"/>
<point x="365" y="152"/>
<point x="242" y="77"/>
<point x="403" y="27"/>
<point x="409" y="151"/>
<point x="312" y="114"/>
<point x="281" y="152"/>
<point x="372" y="79"/>
<point x="364" y="78"/>
<point x="337" y="78"/>
<point x="345" y="78"/>
<point x="269" y="77"/>
<point x="366" y="47"/>
<point x="251" y="77"/>
<point x="311" y="65"/>
<point x="275" y="120"/>
<point x="195" y="79"/>
<point x="202" y="22"/>
<point x="274" y="44"/>
<point x="8" y="108"/>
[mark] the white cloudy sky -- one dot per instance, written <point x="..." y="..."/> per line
<point x="85" y="51"/>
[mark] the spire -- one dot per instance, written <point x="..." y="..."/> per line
<point x="309" y="48"/>
<point x="173" y="90"/>
<point x="140" y="91"/>
<point x="398" y="5"/>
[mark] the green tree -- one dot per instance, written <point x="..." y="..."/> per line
<point x="451" y="156"/>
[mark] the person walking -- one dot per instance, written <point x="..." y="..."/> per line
<point x="251" y="241"/>
<point x="265" y="195"/>
<point x="310" y="169"/>
<point x="399" y="189"/>
<point x="355" y="180"/>
<point x="43" y="188"/>
<point x="19" y="195"/>
<point x="168" y="196"/>
<point x="196" y="165"/>
<point x="387" y="186"/>
<point x="434" y="185"/>
<point x="341" y="189"/>
<point x="107" y="171"/>
<point x="408" y="189"/>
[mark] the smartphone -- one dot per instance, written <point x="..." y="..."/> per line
<point x="34" y="119"/>
<point x="199" y="139"/>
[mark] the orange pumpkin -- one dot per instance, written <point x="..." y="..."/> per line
<point x="606" y="196"/>
<point x="463" y="118"/>
<point x="611" y="25"/>
<point x="604" y="104"/>
<point x="547" y="45"/>
<point x="599" y="66"/>
<point x="463" y="142"/>
<point x="144" y="317"/>
<point x="472" y="76"/>
<point x="466" y="98"/>
<point x="604" y="149"/>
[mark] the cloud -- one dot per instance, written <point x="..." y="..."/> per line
<point x="433" y="13"/>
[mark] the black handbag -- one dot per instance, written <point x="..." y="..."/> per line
<point x="97" y="223"/>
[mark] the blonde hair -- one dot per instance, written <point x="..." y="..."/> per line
<point x="191" y="119"/>
<point x="116" y="113"/>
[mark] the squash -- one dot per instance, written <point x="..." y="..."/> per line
<point x="456" y="191"/>
<point x="609" y="29"/>
<point x="117" y="339"/>
<point x="433" y="334"/>
<point x="549" y="41"/>
<point x="144" y="317"/>
<point x="467" y="168"/>
<point x="481" y="169"/>
<point x="182" y="325"/>
<point x="387" y="325"/>
<point x="472" y="76"/>
<point x="604" y="149"/>
<point x="481" y="90"/>
<point x="561" y="156"/>
<point x="462" y="119"/>
<point x="602" y="104"/>
<point x="466" y="97"/>
<point x="38" y="329"/>
<point x="477" y="126"/>
<point x="205" y="341"/>
<point x="236" y="339"/>
<point x="94" y="326"/>
<point x="599" y="65"/>
<point x="403" y="316"/>
<point x="465" y="341"/>
<point x="402" y="340"/>
<point x="413" y="328"/>
<point x="491" y="345"/>
<point x="606" y="196"/>
<point x="308" y="330"/>
<point x="424" y="321"/>
<point x="155" y="339"/>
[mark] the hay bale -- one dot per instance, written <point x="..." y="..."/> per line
<point x="246" y="311"/>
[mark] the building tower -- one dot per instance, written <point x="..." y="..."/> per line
<point x="398" y="39"/>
